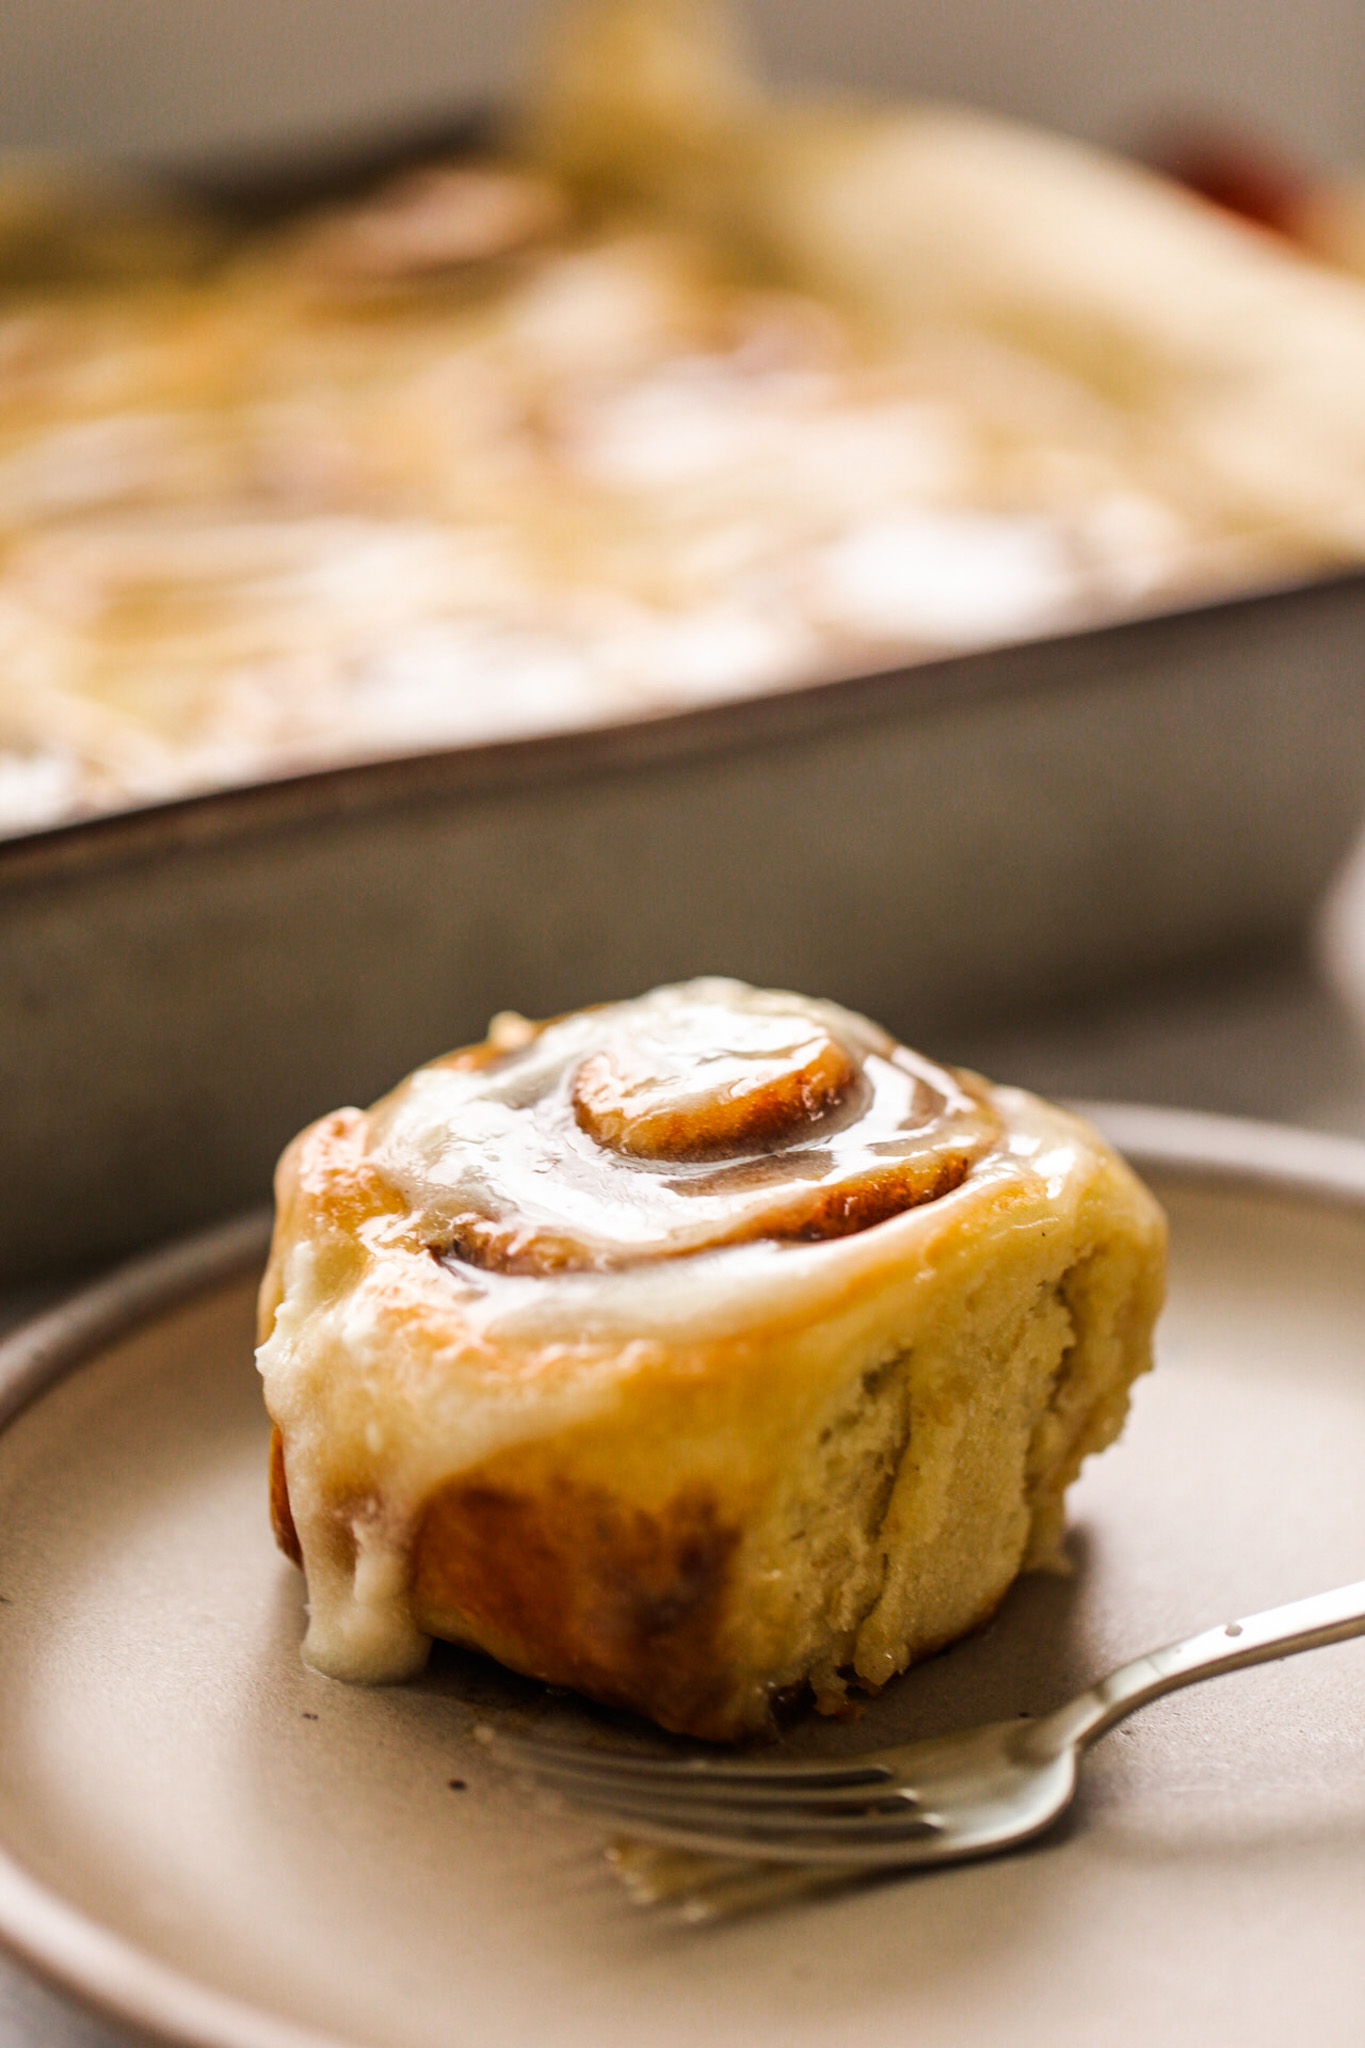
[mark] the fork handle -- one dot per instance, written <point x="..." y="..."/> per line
<point x="1279" y="1632"/>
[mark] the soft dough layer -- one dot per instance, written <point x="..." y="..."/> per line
<point x="689" y="1351"/>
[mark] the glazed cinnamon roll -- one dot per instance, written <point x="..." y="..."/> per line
<point x="689" y="1351"/>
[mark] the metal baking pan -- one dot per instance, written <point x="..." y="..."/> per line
<point x="181" y="987"/>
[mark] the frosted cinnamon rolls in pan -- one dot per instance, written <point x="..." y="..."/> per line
<point x="689" y="1351"/>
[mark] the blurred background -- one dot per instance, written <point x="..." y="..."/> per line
<point x="143" y="78"/>
<point x="1113" y="875"/>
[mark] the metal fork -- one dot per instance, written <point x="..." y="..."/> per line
<point x="739" y="1833"/>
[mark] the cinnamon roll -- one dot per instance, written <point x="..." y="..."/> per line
<point x="691" y="1350"/>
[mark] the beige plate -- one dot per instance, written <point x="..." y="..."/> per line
<point x="204" y="1838"/>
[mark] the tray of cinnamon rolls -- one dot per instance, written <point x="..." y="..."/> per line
<point x="878" y="549"/>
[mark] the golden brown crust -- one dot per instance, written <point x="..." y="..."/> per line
<point x="327" y="1166"/>
<point x="325" y="1186"/>
<point x="573" y="1586"/>
<point x="281" y="1515"/>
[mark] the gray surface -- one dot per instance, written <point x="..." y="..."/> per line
<point x="31" y="2014"/>
<point x="148" y="75"/>
<point x="1272" y="1040"/>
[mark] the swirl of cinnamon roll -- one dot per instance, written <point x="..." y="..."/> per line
<point x="701" y="1115"/>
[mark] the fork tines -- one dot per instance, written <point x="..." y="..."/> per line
<point x="551" y="1759"/>
<point x="699" y="1887"/>
<point x="801" y="1813"/>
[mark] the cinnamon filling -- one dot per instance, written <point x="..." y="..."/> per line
<point x="696" y="1118"/>
<point x="674" y="1094"/>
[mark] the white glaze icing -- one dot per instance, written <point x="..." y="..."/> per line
<point x="502" y="1153"/>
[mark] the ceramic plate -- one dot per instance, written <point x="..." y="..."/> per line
<point x="204" y="1838"/>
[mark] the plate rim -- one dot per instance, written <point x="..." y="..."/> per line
<point x="85" y="1961"/>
